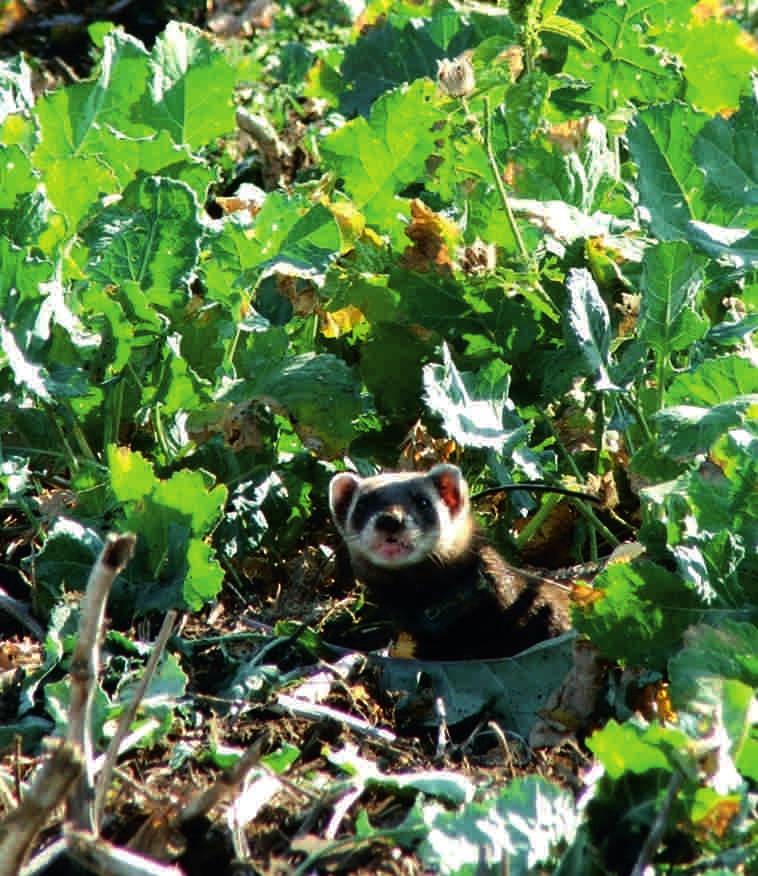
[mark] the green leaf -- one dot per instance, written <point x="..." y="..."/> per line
<point x="132" y="476"/>
<point x="16" y="94"/>
<point x="671" y="185"/>
<point x="191" y="492"/>
<point x="391" y="363"/>
<point x="384" y="58"/>
<point x="513" y="689"/>
<point x="589" y="325"/>
<point x="397" y="52"/>
<point x="474" y="415"/>
<point x="165" y="690"/>
<point x="712" y="656"/>
<point x="621" y="65"/>
<point x="525" y="825"/>
<point x="16" y="176"/>
<point x="578" y="178"/>
<point x="565" y="27"/>
<point x="725" y="149"/>
<point x="716" y="676"/>
<point x="58" y="706"/>
<point x="672" y="277"/>
<point x="641" y="615"/>
<point x="151" y="237"/>
<point x="709" y="514"/>
<point x="378" y="158"/>
<point x="191" y="88"/>
<point x="623" y="748"/>
<point x="173" y="566"/>
<point x="320" y="395"/>
<point x="65" y="562"/>
<point x="34" y="379"/>
<point x="736" y="246"/>
<point x="290" y="237"/>
<point x="685" y="430"/>
<point x="714" y="44"/>
<point x="714" y="381"/>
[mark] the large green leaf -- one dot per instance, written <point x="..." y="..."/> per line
<point x="589" y="325"/>
<point x="706" y="46"/>
<point x="710" y="513"/>
<point x="672" y="277"/>
<point x="191" y="88"/>
<point x="716" y="676"/>
<point x="671" y="185"/>
<point x="726" y="150"/>
<point x="378" y="158"/>
<point x="151" y="237"/>
<point x="64" y="563"/>
<point x="318" y="392"/>
<point x="389" y="55"/>
<point x="173" y="565"/>
<point x="684" y="430"/>
<point x="622" y="64"/>
<point x="714" y="381"/>
<point x="626" y="747"/>
<point x="475" y="410"/>
<point x="643" y="612"/>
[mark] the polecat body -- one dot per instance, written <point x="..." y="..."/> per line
<point x="413" y="542"/>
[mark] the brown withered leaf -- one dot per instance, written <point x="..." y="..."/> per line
<point x="432" y="235"/>
<point x="572" y="707"/>
<point x="404" y="647"/>
<point x="421" y="450"/>
<point x="604" y="487"/>
<point x="583" y="595"/>
<point x="513" y="56"/>
<point x="569" y="136"/>
<point x="303" y="297"/>
<point x="720" y="816"/>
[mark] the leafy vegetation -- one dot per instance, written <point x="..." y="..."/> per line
<point x="534" y="230"/>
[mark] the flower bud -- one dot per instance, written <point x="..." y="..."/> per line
<point x="456" y="78"/>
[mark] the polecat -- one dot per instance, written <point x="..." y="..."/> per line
<point x="413" y="542"/>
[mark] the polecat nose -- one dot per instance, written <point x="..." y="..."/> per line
<point x="389" y="523"/>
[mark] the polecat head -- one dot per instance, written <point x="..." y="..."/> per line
<point x="398" y="520"/>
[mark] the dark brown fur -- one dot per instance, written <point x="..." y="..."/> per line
<point x="474" y="607"/>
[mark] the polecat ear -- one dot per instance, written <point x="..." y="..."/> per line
<point x="451" y="486"/>
<point x="342" y="488"/>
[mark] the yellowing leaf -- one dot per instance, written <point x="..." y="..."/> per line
<point x="336" y="323"/>
<point x="350" y="220"/>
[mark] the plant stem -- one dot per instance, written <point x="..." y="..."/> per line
<point x="541" y="515"/>
<point x="499" y="182"/>
<point x="650" y="846"/>
<point x="597" y="524"/>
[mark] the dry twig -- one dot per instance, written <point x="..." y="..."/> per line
<point x="85" y="663"/>
<point x="20" y="827"/>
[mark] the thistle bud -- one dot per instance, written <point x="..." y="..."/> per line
<point x="456" y="78"/>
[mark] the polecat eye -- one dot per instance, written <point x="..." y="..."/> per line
<point x="423" y="502"/>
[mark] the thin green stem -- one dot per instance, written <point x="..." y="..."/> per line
<point x="499" y="182"/>
<point x="534" y="524"/>
<point x="161" y="435"/>
<point x="596" y="524"/>
<point x="599" y="435"/>
<point x="660" y="377"/>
